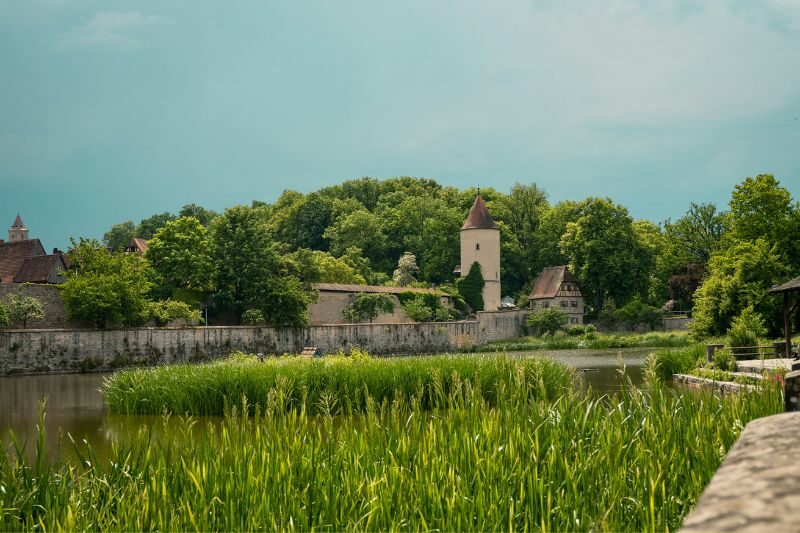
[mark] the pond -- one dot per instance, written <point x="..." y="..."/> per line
<point x="75" y="405"/>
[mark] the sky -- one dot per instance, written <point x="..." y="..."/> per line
<point x="116" y="110"/>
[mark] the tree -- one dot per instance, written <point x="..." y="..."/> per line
<point x="547" y="321"/>
<point x="738" y="277"/>
<point x="547" y="237"/>
<point x="605" y="253"/>
<point x="697" y="234"/>
<point x="181" y="254"/>
<point x="636" y="313"/>
<point x="471" y="287"/>
<point x="683" y="285"/>
<point x="107" y="288"/>
<point x="303" y="223"/>
<point x="313" y="266"/>
<point x="253" y="317"/>
<point x="22" y="309"/>
<point x="368" y="306"/>
<point x="148" y="226"/>
<point x="417" y="309"/>
<point x="203" y="215"/>
<point x="746" y="329"/>
<point x="249" y="271"/>
<point x="521" y="211"/>
<point x="361" y="229"/>
<point x="118" y="237"/>
<point x="405" y="271"/>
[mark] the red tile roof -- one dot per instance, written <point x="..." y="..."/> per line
<point x="37" y="269"/>
<point x="479" y="217"/>
<point x="343" y="287"/>
<point x="549" y="282"/>
<point x="13" y="255"/>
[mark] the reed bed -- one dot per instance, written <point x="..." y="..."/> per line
<point x="633" y="462"/>
<point x="590" y="341"/>
<point x="347" y="381"/>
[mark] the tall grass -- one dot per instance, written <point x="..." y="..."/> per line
<point x="662" y="364"/>
<point x="591" y="341"/>
<point x="634" y="462"/>
<point x="347" y="381"/>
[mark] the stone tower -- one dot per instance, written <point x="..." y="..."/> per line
<point x="17" y="232"/>
<point x="480" y="242"/>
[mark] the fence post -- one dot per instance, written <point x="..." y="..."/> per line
<point x="710" y="349"/>
<point x="791" y="390"/>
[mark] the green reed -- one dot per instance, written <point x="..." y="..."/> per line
<point x="589" y="341"/>
<point x="207" y="389"/>
<point x="633" y="462"/>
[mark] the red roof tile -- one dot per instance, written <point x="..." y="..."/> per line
<point x="13" y="255"/>
<point x="479" y="217"/>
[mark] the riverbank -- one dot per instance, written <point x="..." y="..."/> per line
<point x="589" y="341"/>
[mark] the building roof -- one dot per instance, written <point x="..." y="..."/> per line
<point x="479" y="217"/>
<point x="137" y="245"/>
<point x="549" y="282"/>
<point x="37" y="269"/>
<point x="13" y="255"/>
<point x="343" y="287"/>
<point x="791" y="285"/>
<point x="18" y="222"/>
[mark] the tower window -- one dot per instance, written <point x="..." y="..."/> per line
<point x="477" y="246"/>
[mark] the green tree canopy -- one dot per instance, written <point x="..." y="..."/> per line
<point x="404" y="274"/>
<point x="150" y="225"/>
<point x="23" y="309"/>
<point x="107" y="288"/>
<point x="369" y="306"/>
<point x="203" y="215"/>
<point x="181" y="253"/>
<point x="118" y="237"/>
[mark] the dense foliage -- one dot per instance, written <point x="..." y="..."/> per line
<point x="710" y="262"/>
<point x="546" y="321"/>
<point x="23" y="309"/>
<point x="4" y="320"/>
<point x="437" y="454"/>
<point x="471" y="287"/>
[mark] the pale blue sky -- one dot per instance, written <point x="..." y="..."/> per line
<point x="117" y="110"/>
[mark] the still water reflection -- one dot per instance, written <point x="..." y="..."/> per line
<point x="75" y="405"/>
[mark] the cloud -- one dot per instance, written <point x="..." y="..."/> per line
<point x="107" y="29"/>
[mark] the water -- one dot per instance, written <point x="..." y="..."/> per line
<point x="75" y="405"/>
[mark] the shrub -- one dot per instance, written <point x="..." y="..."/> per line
<point x="442" y="314"/>
<point x="253" y="317"/>
<point x="581" y="329"/>
<point x="637" y="312"/>
<point x="166" y="311"/>
<point x="417" y="309"/>
<point x="546" y="321"/>
<point x="746" y="329"/>
<point x="724" y="360"/>
<point x="4" y="320"/>
<point x="471" y="287"/>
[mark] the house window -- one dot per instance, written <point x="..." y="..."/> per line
<point x="533" y="304"/>
<point x="573" y="320"/>
<point x="546" y="305"/>
<point x="477" y="246"/>
<point x="563" y="303"/>
<point x="573" y="303"/>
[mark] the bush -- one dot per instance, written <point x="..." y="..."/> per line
<point x="547" y="321"/>
<point x="4" y="320"/>
<point x="471" y="287"/>
<point x="166" y="311"/>
<point x="724" y="360"/>
<point x="417" y="309"/>
<point x="746" y="329"/>
<point x="581" y="329"/>
<point x="253" y="317"/>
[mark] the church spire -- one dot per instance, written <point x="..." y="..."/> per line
<point x="18" y="232"/>
<point x="479" y="217"/>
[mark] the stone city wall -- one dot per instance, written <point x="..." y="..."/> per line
<point x="65" y="350"/>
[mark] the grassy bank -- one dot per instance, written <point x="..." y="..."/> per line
<point x="591" y="341"/>
<point x="344" y="382"/>
<point x="636" y="463"/>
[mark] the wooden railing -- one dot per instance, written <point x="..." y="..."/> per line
<point x="776" y="350"/>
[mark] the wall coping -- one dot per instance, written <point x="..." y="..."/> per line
<point x="756" y="487"/>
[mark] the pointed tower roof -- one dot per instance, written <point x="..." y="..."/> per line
<point x="479" y="217"/>
<point x="18" y="222"/>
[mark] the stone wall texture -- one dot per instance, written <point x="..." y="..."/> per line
<point x="49" y="295"/>
<point x="73" y="350"/>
